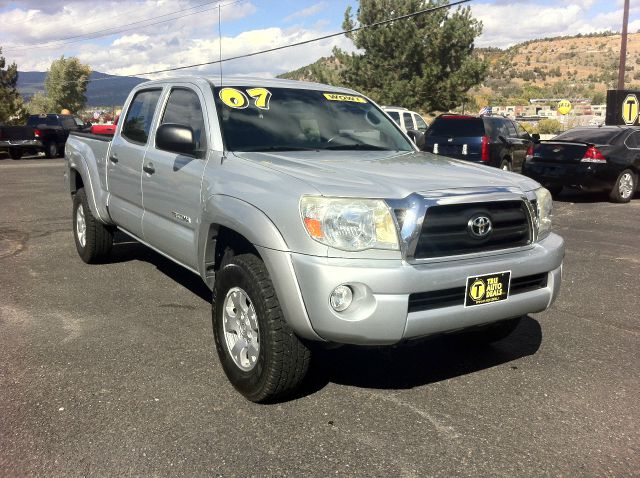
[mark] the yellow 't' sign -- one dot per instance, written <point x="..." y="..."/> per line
<point x="564" y="107"/>
<point x="630" y="109"/>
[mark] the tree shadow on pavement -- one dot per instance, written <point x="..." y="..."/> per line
<point x="418" y="363"/>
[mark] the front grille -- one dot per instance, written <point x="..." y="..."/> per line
<point x="445" y="230"/>
<point x="455" y="296"/>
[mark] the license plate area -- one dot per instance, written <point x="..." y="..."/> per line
<point x="488" y="288"/>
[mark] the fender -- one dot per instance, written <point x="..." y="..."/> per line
<point x="76" y="154"/>
<point x="243" y="218"/>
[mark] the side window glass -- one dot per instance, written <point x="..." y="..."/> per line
<point x="137" y="124"/>
<point x="184" y="108"/>
<point x="521" y="132"/>
<point x="633" y="140"/>
<point x="68" y="123"/>
<point x="408" y="122"/>
<point x="512" y="129"/>
<point x="420" y="123"/>
<point x="395" y="116"/>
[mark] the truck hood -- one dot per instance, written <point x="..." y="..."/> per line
<point x="384" y="174"/>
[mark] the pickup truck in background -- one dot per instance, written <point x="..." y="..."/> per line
<point x="105" y="129"/>
<point x="47" y="133"/>
<point x="314" y="219"/>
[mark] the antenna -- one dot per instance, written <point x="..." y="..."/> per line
<point x="220" y="39"/>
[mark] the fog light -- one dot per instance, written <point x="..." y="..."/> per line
<point x="341" y="298"/>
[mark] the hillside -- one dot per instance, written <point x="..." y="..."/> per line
<point x="573" y="67"/>
<point x="108" y="91"/>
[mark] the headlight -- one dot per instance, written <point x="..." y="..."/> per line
<point x="544" y="204"/>
<point x="349" y="224"/>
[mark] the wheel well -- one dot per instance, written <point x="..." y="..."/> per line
<point x="75" y="181"/>
<point x="223" y="240"/>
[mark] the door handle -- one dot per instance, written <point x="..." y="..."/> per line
<point x="113" y="159"/>
<point x="148" y="168"/>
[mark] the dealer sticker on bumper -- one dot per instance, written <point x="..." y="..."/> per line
<point x="487" y="288"/>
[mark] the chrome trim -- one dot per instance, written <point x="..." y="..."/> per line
<point x="416" y="205"/>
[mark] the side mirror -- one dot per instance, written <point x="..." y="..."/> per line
<point x="176" y="138"/>
<point x="417" y="137"/>
<point x="535" y="137"/>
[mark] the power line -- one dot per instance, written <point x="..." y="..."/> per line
<point x="304" y="42"/>
<point x="282" y="47"/>
<point x="115" y="30"/>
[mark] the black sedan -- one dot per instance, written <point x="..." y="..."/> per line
<point x="605" y="158"/>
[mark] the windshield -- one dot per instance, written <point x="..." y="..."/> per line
<point x="288" y="119"/>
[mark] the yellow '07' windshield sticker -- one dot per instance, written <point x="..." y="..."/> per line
<point x="341" y="97"/>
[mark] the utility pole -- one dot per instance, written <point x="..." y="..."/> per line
<point x="623" y="46"/>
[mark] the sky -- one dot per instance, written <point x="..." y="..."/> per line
<point x="130" y="37"/>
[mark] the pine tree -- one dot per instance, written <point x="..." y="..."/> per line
<point x="11" y="109"/>
<point x="426" y="62"/>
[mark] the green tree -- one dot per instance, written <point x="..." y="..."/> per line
<point x="426" y="62"/>
<point x="66" y="84"/>
<point x="11" y="104"/>
<point x="549" y="126"/>
<point x="39" y="104"/>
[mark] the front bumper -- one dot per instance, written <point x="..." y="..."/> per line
<point x="581" y="175"/>
<point x="380" y="311"/>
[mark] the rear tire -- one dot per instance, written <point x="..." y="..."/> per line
<point x="625" y="187"/>
<point x="260" y="354"/>
<point x="15" y="153"/>
<point x="93" y="239"/>
<point x="554" y="189"/>
<point x="51" y="150"/>
<point x="492" y="332"/>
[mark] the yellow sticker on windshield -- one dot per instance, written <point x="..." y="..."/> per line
<point x="341" y="97"/>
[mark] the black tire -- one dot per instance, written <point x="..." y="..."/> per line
<point x="492" y="332"/>
<point x="554" y="189"/>
<point x="625" y="187"/>
<point x="15" y="153"/>
<point x="282" y="360"/>
<point x="98" y="238"/>
<point x="51" y="150"/>
<point x="505" y="165"/>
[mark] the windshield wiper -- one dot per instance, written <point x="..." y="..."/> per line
<point x="354" y="147"/>
<point x="265" y="149"/>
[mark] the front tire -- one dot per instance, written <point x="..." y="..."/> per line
<point x="93" y="239"/>
<point x="260" y="354"/>
<point x="625" y="187"/>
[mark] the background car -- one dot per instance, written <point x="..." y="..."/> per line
<point x="605" y="158"/>
<point x="492" y="140"/>
<point x="406" y="119"/>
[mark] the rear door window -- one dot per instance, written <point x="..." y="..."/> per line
<point x="633" y="140"/>
<point x="511" y="129"/>
<point x="184" y="108"/>
<point x="137" y="124"/>
<point x="408" y="121"/>
<point x="456" y="126"/>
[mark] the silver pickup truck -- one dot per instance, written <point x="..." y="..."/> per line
<point x="314" y="219"/>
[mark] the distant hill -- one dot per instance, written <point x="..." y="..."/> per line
<point x="110" y="90"/>
<point x="581" y="66"/>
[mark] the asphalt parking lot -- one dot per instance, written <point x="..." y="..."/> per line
<point x="110" y="370"/>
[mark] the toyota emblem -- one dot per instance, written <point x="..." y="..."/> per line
<point x="479" y="226"/>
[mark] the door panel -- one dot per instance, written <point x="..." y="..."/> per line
<point x="172" y="202"/>
<point x="124" y="165"/>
